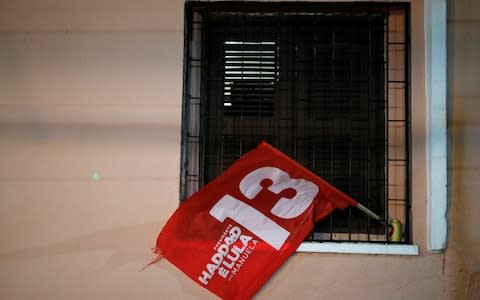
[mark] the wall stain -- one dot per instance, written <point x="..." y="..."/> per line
<point x="128" y="244"/>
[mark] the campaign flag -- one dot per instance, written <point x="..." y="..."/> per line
<point x="234" y="233"/>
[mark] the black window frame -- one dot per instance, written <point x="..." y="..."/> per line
<point x="296" y="9"/>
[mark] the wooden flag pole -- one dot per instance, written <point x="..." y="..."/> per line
<point x="370" y="213"/>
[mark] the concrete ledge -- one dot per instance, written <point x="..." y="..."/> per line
<point x="359" y="248"/>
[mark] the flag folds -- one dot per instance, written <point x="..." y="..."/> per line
<point x="234" y="233"/>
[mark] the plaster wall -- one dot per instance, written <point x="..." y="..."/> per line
<point x="462" y="272"/>
<point x="95" y="87"/>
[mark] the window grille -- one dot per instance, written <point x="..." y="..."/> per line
<point x="325" y="83"/>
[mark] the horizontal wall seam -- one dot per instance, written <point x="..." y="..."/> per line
<point x="89" y="32"/>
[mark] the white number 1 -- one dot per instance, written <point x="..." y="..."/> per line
<point x="255" y="221"/>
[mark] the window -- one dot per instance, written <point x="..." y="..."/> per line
<point x="328" y="84"/>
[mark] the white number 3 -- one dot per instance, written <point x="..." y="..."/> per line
<point x="284" y="208"/>
<point x="255" y="221"/>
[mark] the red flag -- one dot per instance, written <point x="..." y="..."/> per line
<point x="234" y="233"/>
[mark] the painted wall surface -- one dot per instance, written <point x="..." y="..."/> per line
<point x="462" y="272"/>
<point x="96" y="87"/>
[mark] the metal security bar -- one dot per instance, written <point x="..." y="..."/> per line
<point x="325" y="83"/>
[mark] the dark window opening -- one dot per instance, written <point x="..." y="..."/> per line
<point x="325" y="83"/>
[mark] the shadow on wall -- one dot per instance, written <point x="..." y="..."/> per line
<point x="120" y="241"/>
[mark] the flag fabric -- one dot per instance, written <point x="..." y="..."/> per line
<point x="234" y="233"/>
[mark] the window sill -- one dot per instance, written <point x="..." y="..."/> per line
<point x="358" y="248"/>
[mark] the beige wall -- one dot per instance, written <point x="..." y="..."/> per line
<point x="462" y="274"/>
<point x="87" y="86"/>
<point x="95" y="86"/>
